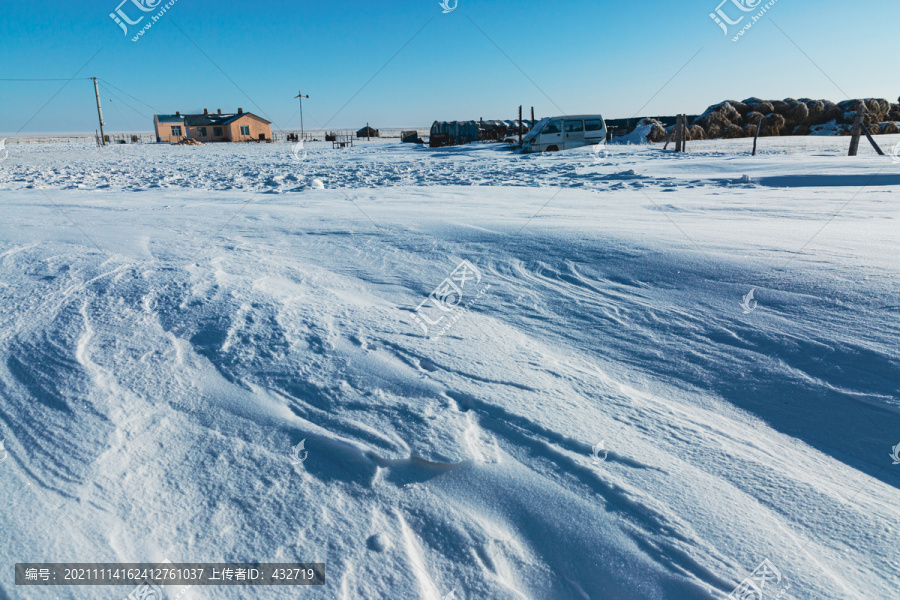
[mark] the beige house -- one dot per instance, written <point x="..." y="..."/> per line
<point x="240" y="127"/>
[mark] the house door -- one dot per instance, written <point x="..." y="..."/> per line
<point x="262" y="137"/>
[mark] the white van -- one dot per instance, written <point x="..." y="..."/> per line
<point x="552" y="134"/>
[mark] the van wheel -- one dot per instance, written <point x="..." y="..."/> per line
<point x="552" y="149"/>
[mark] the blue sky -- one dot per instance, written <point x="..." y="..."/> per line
<point x="572" y="56"/>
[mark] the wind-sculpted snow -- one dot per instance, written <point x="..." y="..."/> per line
<point x="272" y="168"/>
<point x="168" y="340"/>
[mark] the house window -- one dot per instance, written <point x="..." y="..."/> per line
<point x="176" y="131"/>
<point x="217" y="132"/>
<point x="245" y="130"/>
<point x="201" y="131"/>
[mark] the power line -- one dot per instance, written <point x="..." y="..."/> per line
<point x="115" y="105"/>
<point x="121" y="91"/>
<point x="67" y="82"/>
<point x="116" y="96"/>
<point x="73" y="79"/>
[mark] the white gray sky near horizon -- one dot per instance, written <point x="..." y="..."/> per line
<point x="408" y="64"/>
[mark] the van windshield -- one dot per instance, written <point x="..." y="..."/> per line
<point x="536" y="130"/>
<point x="552" y="127"/>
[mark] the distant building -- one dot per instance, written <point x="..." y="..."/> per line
<point x="367" y="132"/>
<point x="240" y="127"/>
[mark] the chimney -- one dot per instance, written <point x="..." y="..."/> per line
<point x="177" y="114"/>
<point x="220" y="111"/>
<point x="240" y="111"/>
<point x="205" y="111"/>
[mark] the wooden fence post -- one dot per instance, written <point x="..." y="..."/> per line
<point x="756" y="136"/>
<point x="669" y="138"/>
<point x="678" y="133"/>
<point x="684" y="136"/>
<point x="857" y="126"/>
<point x="872" y="141"/>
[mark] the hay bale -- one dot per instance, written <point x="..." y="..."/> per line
<point x="752" y="118"/>
<point x="889" y="128"/>
<point x="696" y="133"/>
<point x="714" y="131"/>
<point x="797" y="113"/>
<point x="775" y="124"/>
<point x="816" y="110"/>
<point x="750" y="130"/>
<point x="894" y="116"/>
<point x="735" y="131"/>
<point x="874" y="129"/>
<point x="802" y="129"/>
<point x="832" y="111"/>
<point x="878" y="106"/>
<point x="723" y="109"/>
<point x="759" y="105"/>
<point x="742" y="107"/>
<point x="780" y="107"/>
<point x="657" y="130"/>
<point x="715" y="120"/>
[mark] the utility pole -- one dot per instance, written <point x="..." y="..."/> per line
<point x="301" y="97"/>
<point x="99" y="112"/>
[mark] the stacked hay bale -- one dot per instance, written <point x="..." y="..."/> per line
<point x="733" y="119"/>
<point x="657" y="130"/>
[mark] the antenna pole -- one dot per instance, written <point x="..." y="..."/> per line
<point x="99" y="112"/>
<point x="301" y="97"/>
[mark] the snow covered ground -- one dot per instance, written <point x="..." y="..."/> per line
<point x="604" y="421"/>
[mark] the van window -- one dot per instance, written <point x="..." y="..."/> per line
<point x="553" y="127"/>
<point x="574" y="126"/>
<point x="594" y="125"/>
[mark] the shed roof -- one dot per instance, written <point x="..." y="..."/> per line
<point x="169" y="118"/>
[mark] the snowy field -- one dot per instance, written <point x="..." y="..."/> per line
<point x="604" y="419"/>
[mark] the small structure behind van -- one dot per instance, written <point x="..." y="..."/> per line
<point x="553" y="134"/>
